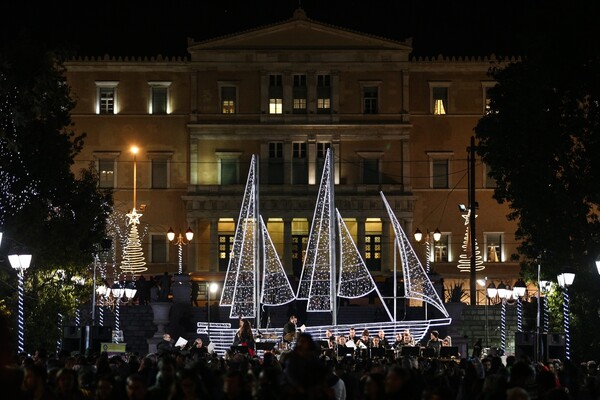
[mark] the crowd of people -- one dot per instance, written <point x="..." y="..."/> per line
<point x="307" y="371"/>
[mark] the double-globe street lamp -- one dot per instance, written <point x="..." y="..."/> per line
<point x="180" y="242"/>
<point x="565" y="280"/>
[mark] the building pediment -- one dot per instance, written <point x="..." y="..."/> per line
<point x="299" y="33"/>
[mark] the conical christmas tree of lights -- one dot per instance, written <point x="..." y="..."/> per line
<point x="133" y="256"/>
<point x="464" y="260"/>
<point x="276" y="286"/>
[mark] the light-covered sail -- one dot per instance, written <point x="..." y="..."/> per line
<point x="239" y="286"/>
<point x="276" y="289"/>
<point x="316" y="279"/>
<point x="355" y="279"/>
<point x="416" y="282"/>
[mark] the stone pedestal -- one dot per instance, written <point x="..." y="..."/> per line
<point x="182" y="291"/>
<point x="161" y="312"/>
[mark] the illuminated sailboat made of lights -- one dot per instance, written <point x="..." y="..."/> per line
<point x="320" y="284"/>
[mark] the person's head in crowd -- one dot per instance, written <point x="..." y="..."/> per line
<point x="136" y="387"/>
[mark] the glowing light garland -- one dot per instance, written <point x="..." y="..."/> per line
<point x="16" y="185"/>
<point x="315" y="281"/>
<point x="519" y="315"/>
<point x="566" y="320"/>
<point x="239" y="285"/>
<point x="59" y="326"/>
<point x="77" y="317"/>
<point x="503" y="327"/>
<point x="133" y="257"/>
<point x="416" y="282"/>
<point x="464" y="260"/>
<point x="277" y="289"/>
<point x="546" y="314"/>
<point x="20" y="318"/>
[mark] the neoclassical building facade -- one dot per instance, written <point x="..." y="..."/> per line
<point x="287" y="93"/>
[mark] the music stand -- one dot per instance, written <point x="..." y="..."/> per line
<point x="377" y="352"/>
<point x="428" y="352"/>
<point x="410" y="351"/>
<point x="448" y="351"/>
<point x="239" y="349"/>
<point x="323" y="344"/>
<point x="344" y="351"/>
<point x="267" y="346"/>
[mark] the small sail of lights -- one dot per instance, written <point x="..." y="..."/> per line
<point x="416" y="282"/>
<point x="276" y="286"/>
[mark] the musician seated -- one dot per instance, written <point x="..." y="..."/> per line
<point x="383" y="342"/>
<point x="289" y="329"/>
<point x="352" y="336"/>
<point x="434" y="343"/>
<point x="365" y="340"/>
<point x="447" y="341"/>
<point x="330" y="337"/>
<point x="404" y="339"/>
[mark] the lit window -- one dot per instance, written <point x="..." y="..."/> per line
<point x="299" y="94"/>
<point x="440" y="249"/>
<point x="106" y="172"/>
<point x="275" y="94"/>
<point x="323" y="94"/>
<point x="493" y="247"/>
<point x="439" y="97"/>
<point x="486" y="86"/>
<point x="228" y="99"/>
<point x="106" y="97"/>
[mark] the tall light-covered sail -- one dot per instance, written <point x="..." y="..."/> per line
<point x="239" y="290"/>
<point x="276" y="289"/>
<point x="316" y="279"/>
<point x="416" y="282"/>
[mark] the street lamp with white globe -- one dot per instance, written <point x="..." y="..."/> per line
<point x="20" y="262"/>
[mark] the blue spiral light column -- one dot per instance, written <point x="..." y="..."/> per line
<point x="519" y="291"/>
<point x="564" y="281"/>
<point x="20" y="262"/>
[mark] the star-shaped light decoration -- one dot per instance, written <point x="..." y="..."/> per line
<point x="134" y="217"/>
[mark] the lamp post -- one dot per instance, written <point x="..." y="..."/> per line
<point x="212" y="288"/>
<point x="20" y="262"/>
<point x="491" y="293"/>
<point x="437" y="235"/>
<point x="519" y="291"/>
<point x="180" y="242"/>
<point x="504" y="293"/>
<point x="565" y="280"/>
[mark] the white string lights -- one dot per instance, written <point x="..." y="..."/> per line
<point x="464" y="259"/>
<point x="416" y="282"/>
<point x="315" y="281"/>
<point x="239" y="286"/>
<point x="276" y="286"/>
<point x="133" y="256"/>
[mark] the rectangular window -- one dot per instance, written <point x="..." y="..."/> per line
<point x="275" y="94"/>
<point x="370" y="171"/>
<point x="493" y="250"/>
<point x="159" y="99"/>
<point x="225" y="248"/>
<point x="439" y="173"/>
<point x="106" y="173"/>
<point x="106" y="100"/>
<point x="490" y="182"/>
<point x="159" y="248"/>
<point x="275" y="172"/>
<point x="322" y="148"/>
<point x="229" y="171"/>
<point x="299" y="94"/>
<point x="323" y="94"/>
<point x="228" y="99"/>
<point x="160" y="170"/>
<point x="439" y="96"/>
<point x="486" y="100"/>
<point x="440" y="249"/>
<point x="299" y="164"/>
<point x="370" y="99"/>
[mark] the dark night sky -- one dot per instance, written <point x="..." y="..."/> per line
<point x="131" y="27"/>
